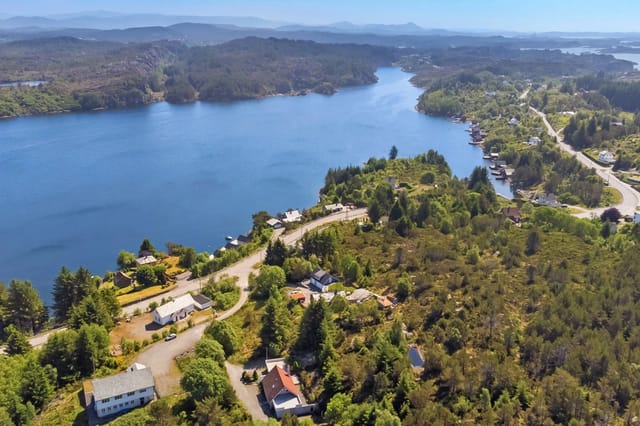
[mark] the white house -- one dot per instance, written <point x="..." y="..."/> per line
<point x="175" y="310"/>
<point x="124" y="391"/>
<point x="274" y="223"/>
<point x="514" y="122"/>
<point x="636" y="217"/>
<point x="606" y="157"/>
<point x="146" y="260"/>
<point x="281" y="393"/>
<point x="334" y="208"/>
<point x="533" y="141"/>
<point x="292" y="216"/>
<point x="321" y="280"/>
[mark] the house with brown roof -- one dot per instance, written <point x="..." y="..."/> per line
<point x="280" y="391"/>
<point x="512" y="213"/>
<point x="122" y="280"/>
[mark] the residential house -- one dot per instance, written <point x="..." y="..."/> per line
<point x="146" y="260"/>
<point x="299" y="297"/>
<point x="514" y="122"/>
<point x="321" y="280"/>
<point x="636" y="217"/>
<point x="120" y="392"/>
<point x="291" y="216"/>
<point x="384" y="302"/>
<point x="359" y="295"/>
<point x="606" y="157"/>
<point x="512" y="213"/>
<point x="122" y="280"/>
<point x="202" y="302"/>
<point x="534" y="141"/>
<point x="238" y="242"/>
<point x="547" y="200"/>
<point x="282" y="394"/>
<point x="175" y="310"/>
<point x="274" y="223"/>
<point x="334" y="208"/>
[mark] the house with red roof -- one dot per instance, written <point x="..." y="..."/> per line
<point x="281" y="392"/>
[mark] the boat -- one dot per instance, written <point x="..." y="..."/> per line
<point x="228" y="238"/>
<point x="476" y="142"/>
<point x="497" y="172"/>
<point x="486" y="157"/>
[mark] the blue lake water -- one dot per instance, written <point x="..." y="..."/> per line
<point x="76" y="189"/>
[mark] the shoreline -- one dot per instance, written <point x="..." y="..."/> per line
<point x="161" y="99"/>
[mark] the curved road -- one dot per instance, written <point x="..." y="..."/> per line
<point x="160" y="356"/>
<point x="630" y="197"/>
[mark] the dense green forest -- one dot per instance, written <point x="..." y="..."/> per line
<point x="530" y="324"/>
<point x="86" y="75"/>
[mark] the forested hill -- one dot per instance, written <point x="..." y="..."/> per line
<point x="87" y="75"/>
<point x="255" y="67"/>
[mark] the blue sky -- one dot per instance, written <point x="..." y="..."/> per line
<point x="522" y="15"/>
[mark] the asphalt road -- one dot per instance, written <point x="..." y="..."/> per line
<point x="630" y="197"/>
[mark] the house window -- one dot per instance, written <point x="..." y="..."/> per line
<point x="130" y="393"/>
<point x="118" y="397"/>
<point x="104" y="401"/>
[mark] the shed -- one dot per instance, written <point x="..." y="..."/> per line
<point x="202" y="302"/>
<point x="122" y="280"/>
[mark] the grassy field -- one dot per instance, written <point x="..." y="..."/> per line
<point x="611" y="197"/>
<point x="135" y="295"/>
<point x="66" y="409"/>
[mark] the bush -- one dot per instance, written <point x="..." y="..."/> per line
<point x="155" y="337"/>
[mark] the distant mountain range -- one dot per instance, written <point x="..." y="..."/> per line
<point x="105" y="20"/>
<point x="108" y="21"/>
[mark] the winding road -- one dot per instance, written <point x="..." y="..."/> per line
<point x="160" y="356"/>
<point x="630" y="197"/>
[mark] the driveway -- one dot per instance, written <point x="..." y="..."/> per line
<point x="250" y="394"/>
<point x="160" y="357"/>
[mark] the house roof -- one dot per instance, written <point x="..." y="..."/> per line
<point x="332" y="207"/>
<point x="201" y="299"/>
<point x="244" y="239"/>
<point x="359" y="295"/>
<point x="511" y="212"/>
<point x="292" y="216"/>
<point x="121" y="276"/>
<point x="129" y="381"/>
<point x="297" y="295"/>
<point x="276" y="381"/>
<point x="175" y="305"/>
<point x="145" y="260"/>
<point x="273" y="222"/>
<point x="384" y="302"/>
<point x="323" y="277"/>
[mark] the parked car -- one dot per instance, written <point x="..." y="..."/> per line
<point x="170" y="337"/>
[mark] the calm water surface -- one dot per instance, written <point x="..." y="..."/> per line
<point x="76" y="189"/>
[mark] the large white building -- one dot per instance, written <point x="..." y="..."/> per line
<point x="177" y="309"/>
<point x="122" y="392"/>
